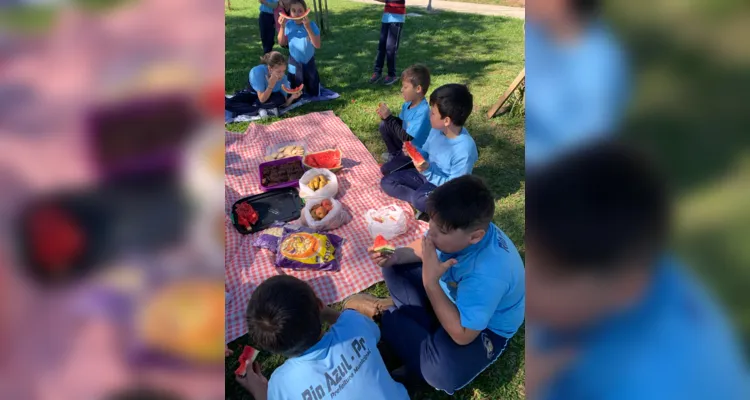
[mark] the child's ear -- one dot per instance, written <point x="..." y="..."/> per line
<point x="447" y="121"/>
<point x="418" y="89"/>
<point x="477" y="236"/>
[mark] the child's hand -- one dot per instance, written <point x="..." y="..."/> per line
<point x="282" y="20"/>
<point x="423" y="167"/>
<point x="432" y="268"/>
<point x="254" y="382"/>
<point x="296" y="95"/>
<point x="381" y="260"/>
<point x="383" y="111"/>
<point x="272" y="80"/>
<point x="306" y="22"/>
<point x="227" y="352"/>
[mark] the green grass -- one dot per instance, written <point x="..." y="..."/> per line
<point x="510" y="3"/>
<point x="484" y="52"/>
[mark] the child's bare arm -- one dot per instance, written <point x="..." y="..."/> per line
<point x="281" y="37"/>
<point x="329" y="315"/>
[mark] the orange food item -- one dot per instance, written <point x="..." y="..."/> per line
<point x="327" y="205"/>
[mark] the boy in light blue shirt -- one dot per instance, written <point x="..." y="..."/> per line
<point x="303" y="37"/>
<point x="458" y="294"/>
<point x="285" y="317"/>
<point x="412" y="124"/>
<point x="449" y="151"/>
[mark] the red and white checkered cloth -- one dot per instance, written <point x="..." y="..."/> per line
<point x="359" y="190"/>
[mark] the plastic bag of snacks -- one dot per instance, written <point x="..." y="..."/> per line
<point x="269" y="238"/>
<point x="318" y="184"/>
<point x="304" y="250"/>
<point x="389" y="221"/>
<point x="324" y="214"/>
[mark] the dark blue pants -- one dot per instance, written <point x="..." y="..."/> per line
<point x="307" y="74"/>
<point x="267" y="31"/>
<point x="413" y="331"/>
<point x="394" y="138"/>
<point x="390" y="37"/>
<point x="408" y="185"/>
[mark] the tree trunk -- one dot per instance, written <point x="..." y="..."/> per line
<point x="429" y="5"/>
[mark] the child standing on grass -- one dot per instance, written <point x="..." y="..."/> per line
<point x="449" y="151"/>
<point x="393" y="20"/>
<point x="458" y="294"/>
<point x="266" y="81"/>
<point x="267" y="23"/>
<point x="284" y="317"/>
<point x="303" y="37"/>
<point x="412" y="124"/>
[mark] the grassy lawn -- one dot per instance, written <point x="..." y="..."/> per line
<point x="484" y="52"/>
<point x="510" y="3"/>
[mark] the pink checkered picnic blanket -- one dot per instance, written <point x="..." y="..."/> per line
<point x="359" y="190"/>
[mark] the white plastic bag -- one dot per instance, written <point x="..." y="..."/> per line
<point x="389" y="221"/>
<point x="335" y="218"/>
<point x="330" y="190"/>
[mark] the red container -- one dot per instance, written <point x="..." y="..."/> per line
<point x="263" y="166"/>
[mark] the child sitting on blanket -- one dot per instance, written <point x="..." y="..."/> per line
<point x="285" y="317"/>
<point x="266" y="81"/>
<point x="412" y="124"/>
<point x="302" y="37"/>
<point x="458" y="294"/>
<point x="449" y="150"/>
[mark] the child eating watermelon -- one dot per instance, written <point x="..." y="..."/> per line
<point x="303" y="37"/>
<point x="449" y="151"/>
<point x="458" y="294"/>
<point x="285" y="317"/>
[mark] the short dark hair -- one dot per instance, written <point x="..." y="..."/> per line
<point x="417" y="75"/>
<point x="454" y="101"/>
<point x="586" y="8"/>
<point x="283" y="316"/>
<point x="597" y="206"/>
<point x="287" y="4"/>
<point x="464" y="203"/>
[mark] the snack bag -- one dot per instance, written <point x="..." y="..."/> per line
<point x="324" y="214"/>
<point x="269" y="238"/>
<point x="305" y="250"/>
<point x="318" y="184"/>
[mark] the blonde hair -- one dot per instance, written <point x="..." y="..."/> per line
<point x="273" y="59"/>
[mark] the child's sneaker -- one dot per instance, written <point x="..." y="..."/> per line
<point x="375" y="77"/>
<point x="390" y="80"/>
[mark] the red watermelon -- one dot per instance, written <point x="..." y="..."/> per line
<point x="328" y="159"/>
<point x="382" y="246"/>
<point x="246" y="360"/>
<point x="413" y="153"/>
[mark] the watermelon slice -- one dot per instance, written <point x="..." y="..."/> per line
<point x="328" y="159"/>
<point x="246" y="360"/>
<point x="382" y="246"/>
<point x="293" y="91"/>
<point x="287" y="16"/>
<point x="413" y="153"/>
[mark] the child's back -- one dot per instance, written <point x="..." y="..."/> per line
<point x="345" y="363"/>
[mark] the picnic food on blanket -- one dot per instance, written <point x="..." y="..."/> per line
<point x="389" y="221"/>
<point x="303" y="250"/>
<point x="382" y="246"/>
<point x="57" y="241"/>
<point x="287" y="16"/>
<point x="414" y="154"/>
<point x="328" y="159"/>
<point x="324" y="214"/>
<point x="274" y="208"/>
<point x="273" y="175"/>
<point x="246" y="360"/>
<point x="317" y="182"/>
<point x="246" y="215"/>
<point x="293" y="91"/>
<point x="185" y="320"/>
<point x="286" y="151"/>
<point x="269" y="238"/>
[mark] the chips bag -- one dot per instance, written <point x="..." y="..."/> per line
<point x="269" y="238"/>
<point x="309" y="250"/>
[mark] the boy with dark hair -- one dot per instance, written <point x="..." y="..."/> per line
<point x="412" y="124"/>
<point x="607" y="306"/>
<point x="393" y="20"/>
<point x="285" y="317"/>
<point x="449" y="150"/>
<point x="457" y="294"/>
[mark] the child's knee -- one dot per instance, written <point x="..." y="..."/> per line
<point x="386" y="183"/>
<point x="439" y="375"/>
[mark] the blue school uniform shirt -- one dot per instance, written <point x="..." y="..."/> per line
<point x="344" y="364"/>
<point x="300" y="46"/>
<point x="259" y="79"/>
<point x="448" y="158"/>
<point x="675" y="344"/>
<point x="487" y="285"/>
<point x="416" y="121"/>
<point x="266" y="9"/>
<point x="577" y="92"/>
